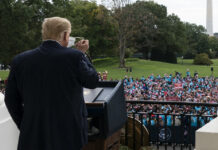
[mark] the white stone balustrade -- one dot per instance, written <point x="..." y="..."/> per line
<point x="8" y="130"/>
<point x="207" y="136"/>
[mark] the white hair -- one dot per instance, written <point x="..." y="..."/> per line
<point x="54" y="28"/>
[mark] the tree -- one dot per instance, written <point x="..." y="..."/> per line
<point x="175" y="38"/>
<point x="121" y="18"/>
<point x="213" y="44"/>
<point x="142" y="27"/>
<point x="198" y="41"/>
<point x="150" y="30"/>
<point x="15" y="34"/>
<point x="96" y="24"/>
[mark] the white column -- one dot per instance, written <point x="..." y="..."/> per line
<point x="209" y="24"/>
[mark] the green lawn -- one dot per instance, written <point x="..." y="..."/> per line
<point x="3" y="74"/>
<point x="145" y="68"/>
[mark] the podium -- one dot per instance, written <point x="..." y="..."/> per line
<point x="107" y="115"/>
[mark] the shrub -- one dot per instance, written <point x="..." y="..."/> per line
<point x="202" y="59"/>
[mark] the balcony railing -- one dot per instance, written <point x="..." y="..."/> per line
<point x="165" y="133"/>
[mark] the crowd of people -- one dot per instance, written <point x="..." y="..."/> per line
<point x="172" y="88"/>
<point x="177" y="88"/>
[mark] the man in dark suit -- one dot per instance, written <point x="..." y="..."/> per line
<point x="44" y="93"/>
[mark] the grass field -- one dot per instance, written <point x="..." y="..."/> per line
<point x="145" y="68"/>
<point x="3" y="74"/>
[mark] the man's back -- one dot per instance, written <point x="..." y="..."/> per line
<point x="49" y="109"/>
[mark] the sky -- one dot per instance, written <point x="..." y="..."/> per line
<point x="192" y="11"/>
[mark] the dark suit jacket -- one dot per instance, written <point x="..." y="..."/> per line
<point x="44" y="96"/>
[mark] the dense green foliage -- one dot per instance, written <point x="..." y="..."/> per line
<point x="123" y="30"/>
<point x="157" y="36"/>
<point x="20" y="25"/>
<point x="202" y="59"/>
